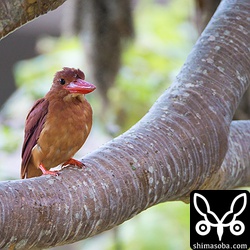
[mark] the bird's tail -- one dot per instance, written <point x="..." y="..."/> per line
<point x="30" y="171"/>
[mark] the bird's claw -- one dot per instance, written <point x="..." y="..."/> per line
<point x="73" y="162"/>
<point x="48" y="172"/>
<point x="54" y="173"/>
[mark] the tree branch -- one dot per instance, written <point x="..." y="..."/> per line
<point x="235" y="169"/>
<point x="15" y="13"/>
<point x="177" y="147"/>
<point x="47" y="211"/>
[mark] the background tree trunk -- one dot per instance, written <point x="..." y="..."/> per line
<point x="105" y="26"/>
<point x="177" y="147"/>
<point x="204" y="11"/>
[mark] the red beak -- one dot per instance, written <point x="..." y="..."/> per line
<point x="80" y="86"/>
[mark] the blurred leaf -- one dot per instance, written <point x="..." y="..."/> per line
<point x="152" y="61"/>
<point x="162" y="227"/>
<point x="36" y="74"/>
<point x="9" y="138"/>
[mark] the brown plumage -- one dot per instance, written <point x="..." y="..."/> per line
<point x="57" y="125"/>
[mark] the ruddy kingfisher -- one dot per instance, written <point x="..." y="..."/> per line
<point x="57" y="125"/>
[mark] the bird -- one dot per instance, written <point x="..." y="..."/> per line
<point x="57" y="125"/>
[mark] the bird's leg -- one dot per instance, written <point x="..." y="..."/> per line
<point x="46" y="172"/>
<point x="74" y="162"/>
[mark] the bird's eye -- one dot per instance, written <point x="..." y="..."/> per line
<point x="62" y="81"/>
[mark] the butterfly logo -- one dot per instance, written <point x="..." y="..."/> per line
<point x="203" y="227"/>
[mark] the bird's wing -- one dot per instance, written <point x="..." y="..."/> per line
<point x="33" y="127"/>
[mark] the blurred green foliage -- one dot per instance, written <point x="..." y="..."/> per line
<point x="8" y="138"/>
<point x="162" y="227"/>
<point x="162" y="42"/>
<point x="35" y="75"/>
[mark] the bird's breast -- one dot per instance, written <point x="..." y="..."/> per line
<point x="66" y="128"/>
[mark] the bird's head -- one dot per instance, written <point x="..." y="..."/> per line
<point x="73" y="81"/>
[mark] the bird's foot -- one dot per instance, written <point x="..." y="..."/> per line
<point x="47" y="172"/>
<point x="73" y="162"/>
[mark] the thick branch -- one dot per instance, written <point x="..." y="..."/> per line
<point x="15" y="13"/>
<point x="177" y="147"/>
<point x="48" y="211"/>
<point x="235" y="169"/>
